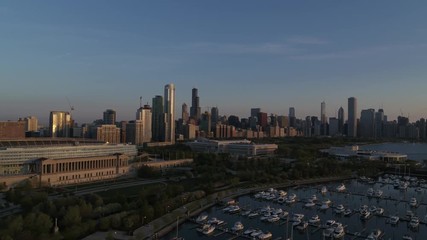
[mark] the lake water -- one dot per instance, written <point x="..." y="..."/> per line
<point x="393" y="201"/>
<point x="415" y="151"/>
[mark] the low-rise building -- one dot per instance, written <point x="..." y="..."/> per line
<point x="233" y="147"/>
<point x="348" y="152"/>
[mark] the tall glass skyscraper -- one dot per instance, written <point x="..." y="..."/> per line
<point x="169" y="112"/>
<point x="352" y="117"/>
<point x="195" y="105"/>
<point x="157" y="123"/>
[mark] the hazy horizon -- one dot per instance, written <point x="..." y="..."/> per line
<point x="239" y="54"/>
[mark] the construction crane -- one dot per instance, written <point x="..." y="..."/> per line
<point x="69" y="104"/>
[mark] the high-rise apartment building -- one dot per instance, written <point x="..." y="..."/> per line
<point x="184" y="113"/>
<point x="144" y="115"/>
<point x="341" y="120"/>
<point x="109" y="116"/>
<point x="367" y="123"/>
<point x="169" y="111"/>
<point x="352" y="117"/>
<point x="158" y="122"/>
<point x="263" y="120"/>
<point x="31" y="124"/>
<point x="59" y="124"/>
<point x="195" y="105"/>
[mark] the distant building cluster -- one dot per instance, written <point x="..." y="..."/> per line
<point x="159" y="124"/>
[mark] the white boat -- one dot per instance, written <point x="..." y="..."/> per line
<point x="329" y="232"/>
<point x="373" y="209"/>
<point x="302" y="226"/>
<point x="256" y="233"/>
<point x="406" y="237"/>
<point x="273" y="218"/>
<point x="266" y="216"/>
<point x="246" y="213"/>
<point x="297" y="217"/>
<point x="379" y="211"/>
<point x="370" y="191"/>
<point x="310" y="204"/>
<point x="365" y="214"/>
<point x="363" y="207"/>
<point x="413" y="202"/>
<point x="418" y="189"/>
<point x="215" y="221"/>
<point x="339" y="232"/>
<point x="415" y="222"/>
<point x="291" y="198"/>
<point x="376" y="234"/>
<point x="265" y="236"/>
<point x="313" y="197"/>
<point x="329" y="223"/>
<point x="238" y="226"/>
<point x="347" y="212"/>
<point x="249" y="231"/>
<point x="253" y="214"/>
<point x="282" y="193"/>
<point x="324" y="190"/>
<point x="341" y="187"/>
<point x="209" y="230"/>
<point x="281" y="200"/>
<point x="378" y="193"/>
<point x="339" y="209"/>
<point x="314" y="219"/>
<point x="284" y="215"/>
<point x="234" y="209"/>
<point x="394" y="219"/>
<point x="277" y="211"/>
<point x="201" y="218"/>
<point x="296" y="223"/>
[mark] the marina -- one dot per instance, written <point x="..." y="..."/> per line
<point x="351" y="212"/>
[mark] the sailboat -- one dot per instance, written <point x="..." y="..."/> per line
<point x="177" y="237"/>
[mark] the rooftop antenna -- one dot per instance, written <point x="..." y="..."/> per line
<point x="140" y="102"/>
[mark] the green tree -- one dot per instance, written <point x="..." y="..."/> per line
<point x="15" y="225"/>
<point x="72" y="217"/>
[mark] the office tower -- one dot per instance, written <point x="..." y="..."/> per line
<point x="214" y="116"/>
<point x="283" y="121"/>
<point x="123" y="131"/>
<point x="307" y="128"/>
<point x="108" y="133"/>
<point x="31" y="124"/>
<point x="169" y="111"/>
<point x="234" y="121"/>
<point x="422" y="128"/>
<point x="352" y="117"/>
<point x="323" y="126"/>
<point x="341" y="120"/>
<point x="184" y="113"/>
<point x="195" y="105"/>
<point x="205" y="124"/>
<point x="109" y="116"/>
<point x="379" y="121"/>
<point x="263" y="120"/>
<point x="333" y="126"/>
<point x="157" y="122"/>
<point x="367" y="123"/>
<point x="144" y="115"/>
<point x="292" y="117"/>
<point x="255" y="111"/>
<point x="59" y="124"/>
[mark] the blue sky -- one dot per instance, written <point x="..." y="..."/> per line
<point x="240" y="54"/>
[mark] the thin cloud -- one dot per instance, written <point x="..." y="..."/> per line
<point x="306" y="40"/>
<point x="240" y="48"/>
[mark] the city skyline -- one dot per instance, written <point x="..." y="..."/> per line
<point x="273" y="55"/>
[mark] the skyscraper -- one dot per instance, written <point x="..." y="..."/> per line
<point x="214" y="115"/>
<point x="205" y="124"/>
<point x="367" y="123"/>
<point x="157" y="119"/>
<point x="31" y="124"/>
<point x="323" y="126"/>
<point x="169" y="111"/>
<point x="109" y="116"/>
<point x="184" y="113"/>
<point x="144" y="115"/>
<point x="352" y="117"/>
<point x="292" y="118"/>
<point x="59" y="124"/>
<point x="379" y="122"/>
<point x="341" y="120"/>
<point x="255" y="111"/>
<point x="195" y="105"/>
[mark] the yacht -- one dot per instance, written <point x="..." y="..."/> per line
<point x="253" y="214"/>
<point x="363" y="207"/>
<point x="310" y="204"/>
<point x="281" y="200"/>
<point x="264" y="236"/>
<point x="282" y="193"/>
<point x="273" y="218"/>
<point x="329" y="223"/>
<point x="328" y="232"/>
<point x="297" y="217"/>
<point x="378" y="193"/>
<point x="373" y="209"/>
<point x="249" y="231"/>
<point x="256" y="233"/>
<point x="415" y="222"/>
<point x="418" y="189"/>
<point x="339" y="209"/>
<point x="406" y="237"/>
<point x="234" y="209"/>
<point x="365" y="214"/>
<point x="291" y="198"/>
<point x="413" y="202"/>
<point x="209" y="230"/>
<point x="215" y="221"/>
<point x="313" y="197"/>
<point x="347" y="212"/>
<point x="341" y="187"/>
<point x="284" y="215"/>
<point x="266" y="216"/>
<point x="246" y="213"/>
<point x="277" y="211"/>
<point x="302" y="226"/>
<point x="314" y="219"/>
<point x="370" y="192"/>
<point x="238" y="226"/>
<point x="376" y="234"/>
<point x="296" y="223"/>
<point x="324" y="190"/>
<point x="201" y="218"/>
<point x="379" y="211"/>
<point x="339" y="232"/>
<point x="394" y="219"/>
